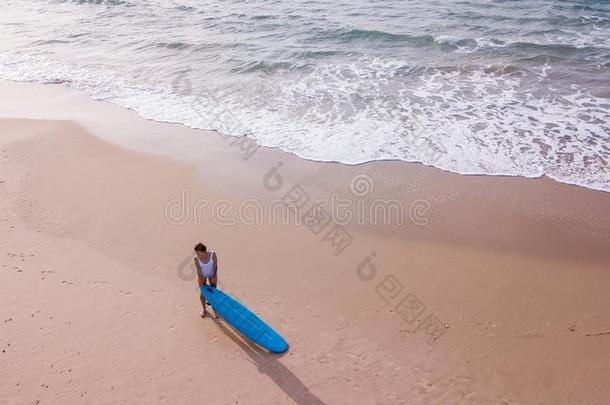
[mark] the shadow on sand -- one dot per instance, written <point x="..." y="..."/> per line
<point x="269" y="364"/>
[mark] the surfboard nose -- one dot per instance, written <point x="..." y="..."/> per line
<point x="280" y="347"/>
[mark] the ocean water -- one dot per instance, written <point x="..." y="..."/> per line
<point x="476" y="87"/>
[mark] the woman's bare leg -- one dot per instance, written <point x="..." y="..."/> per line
<point x="213" y="282"/>
<point x="202" y="299"/>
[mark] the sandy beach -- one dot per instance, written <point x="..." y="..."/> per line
<point x="482" y="290"/>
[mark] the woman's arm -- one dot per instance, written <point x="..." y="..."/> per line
<point x="199" y="279"/>
<point x="215" y="266"/>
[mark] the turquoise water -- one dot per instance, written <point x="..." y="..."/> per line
<point x="475" y="87"/>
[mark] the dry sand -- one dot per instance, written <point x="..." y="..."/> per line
<point x="99" y="302"/>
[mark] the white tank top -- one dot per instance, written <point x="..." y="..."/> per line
<point x="207" y="269"/>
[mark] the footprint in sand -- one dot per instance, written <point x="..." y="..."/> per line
<point x="44" y="273"/>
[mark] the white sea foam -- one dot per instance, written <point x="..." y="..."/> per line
<point x="465" y="121"/>
<point x="479" y="100"/>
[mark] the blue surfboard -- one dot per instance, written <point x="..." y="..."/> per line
<point x="244" y="320"/>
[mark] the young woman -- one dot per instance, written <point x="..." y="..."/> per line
<point x="207" y="271"/>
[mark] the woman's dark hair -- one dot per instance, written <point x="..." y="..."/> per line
<point x="200" y="247"/>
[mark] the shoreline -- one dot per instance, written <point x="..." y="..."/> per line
<point x="103" y="305"/>
<point x="113" y="107"/>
